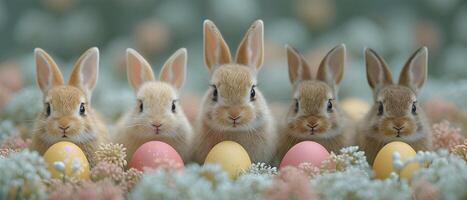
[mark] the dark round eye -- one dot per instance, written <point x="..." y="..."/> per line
<point x="296" y="105"/>
<point x="214" y="94"/>
<point x="330" y="105"/>
<point x="47" y="109"/>
<point x="252" y="93"/>
<point x="380" y="108"/>
<point x="141" y="106"/>
<point x="414" y="108"/>
<point x="173" y="106"/>
<point x="82" y="110"/>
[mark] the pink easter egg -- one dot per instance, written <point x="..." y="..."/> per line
<point x="305" y="152"/>
<point x="154" y="155"/>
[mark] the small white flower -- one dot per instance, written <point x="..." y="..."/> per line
<point x="76" y="165"/>
<point x="398" y="164"/>
<point x="396" y="155"/>
<point x="59" y="166"/>
<point x="393" y="176"/>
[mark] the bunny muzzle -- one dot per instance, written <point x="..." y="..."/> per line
<point x="398" y="126"/>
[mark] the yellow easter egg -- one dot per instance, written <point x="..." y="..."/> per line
<point x="65" y="158"/>
<point x="355" y="108"/>
<point x="232" y="157"/>
<point x="383" y="164"/>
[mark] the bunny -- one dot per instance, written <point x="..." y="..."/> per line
<point x="314" y="113"/>
<point x="67" y="114"/>
<point x="157" y="114"/>
<point x="396" y="114"/>
<point x="233" y="108"/>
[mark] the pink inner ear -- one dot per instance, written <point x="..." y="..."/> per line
<point x="138" y="69"/>
<point x="134" y="71"/>
<point x="43" y="74"/>
<point x="87" y="75"/>
<point x="89" y="72"/>
<point x="253" y="49"/>
<point x="294" y="65"/>
<point x="418" y="72"/>
<point x="177" y="71"/>
<point x="376" y="74"/>
<point x="173" y="71"/>
<point x="374" y="69"/>
<point x="212" y="48"/>
<point x="333" y="67"/>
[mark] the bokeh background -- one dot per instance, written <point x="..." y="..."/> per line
<point x="156" y="28"/>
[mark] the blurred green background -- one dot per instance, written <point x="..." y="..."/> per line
<point x="156" y="28"/>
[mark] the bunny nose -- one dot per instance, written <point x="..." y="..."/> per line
<point x="399" y="125"/>
<point x="157" y="125"/>
<point x="398" y="128"/>
<point x="312" y="121"/>
<point x="64" y="128"/>
<point x="234" y="118"/>
<point x="234" y="114"/>
<point x="312" y="126"/>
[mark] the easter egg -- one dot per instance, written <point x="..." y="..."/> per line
<point x="231" y="156"/>
<point x="66" y="158"/>
<point x="156" y="154"/>
<point x="383" y="164"/>
<point x="305" y="152"/>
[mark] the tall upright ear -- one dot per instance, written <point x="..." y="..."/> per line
<point x="251" y="49"/>
<point x="298" y="68"/>
<point x="377" y="71"/>
<point x="138" y="69"/>
<point x="174" y="69"/>
<point x="47" y="72"/>
<point x="415" y="71"/>
<point x="331" y="69"/>
<point x="216" y="51"/>
<point x="86" y="70"/>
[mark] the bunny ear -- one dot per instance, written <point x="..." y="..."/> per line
<point x="216" y="51"/>
<point x="48" y="75"/>
<point x="251" y="49"/>
<point x="174" y="69"/>
<point x="298" y="68"/>
<point x="138" y="69"/>
<point x="331" y="69"/>
<point x="377" y="71"/>
<point x="86" y="70"/>
<point x="414" y="73"/>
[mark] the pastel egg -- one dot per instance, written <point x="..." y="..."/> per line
<point x="231" y="156"/>
<point x="66" y="158"/>
<point x="156" y="154"/>
<point x="305" y="152"/>
<point x="383" y="164"/>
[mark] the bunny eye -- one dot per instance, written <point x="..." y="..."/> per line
<point x="141" y="106"/>
<point x="296" y="105"/>
<point x="329" y="106"/>
<point x="414" y="108"/>
<point x="214" y="93"/>
<point x="82" y="110"/>
<point x="380" y="109"/>
<point x="173" y="106"/>
<point x="253" y="93"/>
<point x="47" y="109"/>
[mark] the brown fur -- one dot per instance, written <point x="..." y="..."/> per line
<point x="311" y="120"/>
<point x="397" y="101"/>
<point x="254" y="129"/>
<point x="137" y="128"/>
<point x="85" y="131"/>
